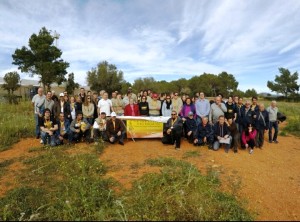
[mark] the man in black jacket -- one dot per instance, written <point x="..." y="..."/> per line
<point x="173" y="130"/>
<point x="205" y="134"/>
<point x="261" y="124"/>
<point x="222" y="135"/>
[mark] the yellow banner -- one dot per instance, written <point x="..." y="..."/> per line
<point x="144" y="129"/>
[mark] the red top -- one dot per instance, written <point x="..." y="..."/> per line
<point x="128" y="111"/>
<point x="251" y="136"/>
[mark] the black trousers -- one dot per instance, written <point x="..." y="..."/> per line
<point x="172" y="138"/>
<point x="251" y="143"/>
<point x="260" y="137"/>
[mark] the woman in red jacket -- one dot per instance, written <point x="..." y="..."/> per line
<point x="248" y="137"/>
<point x="131" y="109"/>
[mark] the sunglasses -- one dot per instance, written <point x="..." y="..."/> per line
<point x="176" y="95"/>
<point x="173" y="114"/>
<point x="168" y="98"/>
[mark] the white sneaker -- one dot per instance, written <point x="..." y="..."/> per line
<point x="41" y="142"/>
<point x="251" y="151"/>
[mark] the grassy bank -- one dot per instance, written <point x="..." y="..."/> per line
<point x="16" y="122"/>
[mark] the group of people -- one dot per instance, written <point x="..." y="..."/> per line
<point x="91" y="116"/>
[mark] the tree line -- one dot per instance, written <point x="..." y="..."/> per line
<point x="43" y="58"/>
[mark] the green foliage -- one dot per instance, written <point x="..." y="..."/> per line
<point x="179" y="192"/>
<point x="249" y="93"/>
<point x="285" y="83"/>
<point x="71" y="85"/>
<point x="12" y="80"/>
<point x="42" y="58"/>
<point x="190" y="154"/>
<point x="106" y="76"/>
<point x="16" y="122"/>
<point x="144" y="84"/>
<point x="60" y="186"/>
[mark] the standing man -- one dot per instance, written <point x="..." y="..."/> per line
<point x="177" y="103"/>
<point x="261" y="124"/>
<point x="172" y="130"/>
<point x="105" y="105"/>
<point x="82" y="94"/>
<point x="49" y="103"/>
<point x="273" y="110"/>
<point x="133" y="95"/>
<point x="217" y="109"/>
<point x="202" y="108"/>
<point x="62" y="107"/>
<point x="38" y="102"/>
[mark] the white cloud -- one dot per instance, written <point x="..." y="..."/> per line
<point x="168" y="38"/>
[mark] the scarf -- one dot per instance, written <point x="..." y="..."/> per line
<point x="168" y="104"/>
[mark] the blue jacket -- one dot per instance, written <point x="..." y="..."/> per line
<point x="221" y="130"/>
<point x="205" y="131"/>
<point x="262" y="120"/>
<point x="191" y="125"/>
<point x="247" y="117"/>
<point x="67" y="127"/>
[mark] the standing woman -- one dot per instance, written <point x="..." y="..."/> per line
<point x="167" y="107"/>
<point x="144" y="106"/>
<point x="131" y="109"/>
<point x="88" y="110"/>
<point x="73" y="107"/>
<point x="248" y="137"/>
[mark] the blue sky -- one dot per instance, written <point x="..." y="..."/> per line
<point x="164" y="39"/>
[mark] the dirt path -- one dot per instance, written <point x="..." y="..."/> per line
<point x="270" y="177"/>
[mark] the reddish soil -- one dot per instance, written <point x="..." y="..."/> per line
<point x="270" y="179"/>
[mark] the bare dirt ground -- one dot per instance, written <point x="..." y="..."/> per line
<point x="270" y="178"/>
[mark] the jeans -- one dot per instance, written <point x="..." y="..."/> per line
<point x="271" y="125"/>
<point x="76" y="137"/>
<point x="217" y="144"/>
<point x="66" y="136"/>
<point x="47" y="139"/>
<point x="37" y="127"/>
<point x="118" y="138"/>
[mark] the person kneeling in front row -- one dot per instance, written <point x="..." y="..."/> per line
<point x="80" y="128"/>
<point x="205" y="134"/>
<point x="48" y="127"/>
<point x="63" y="131"/>
<point x="172" y="130"/>
<point x="248" y="137"/>
<point x="99" y="128"/>
<point x="222" y="134"/>
<point x="115" y="129"/>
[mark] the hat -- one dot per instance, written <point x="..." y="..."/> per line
<point x="129" y="88"/>
<point x="61" y="94"/>
<point x="113" y="114"/>
<point x="191" y="113"/>
<point x="154" y="95"/>
<point x="103" y="113"/>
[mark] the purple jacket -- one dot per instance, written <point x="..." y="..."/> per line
<point x="186" y="109"/>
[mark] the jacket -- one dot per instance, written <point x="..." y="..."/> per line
<point x="221" y="131"/>
<point x="111" y="131"/>
<point x="66" y="125"/>
<point x="251" y="136"/>
<point x="247" y="117"/>
<point x="262" y="120"/>
<point x="205" y="131"/>
<point x="128" y="110"/>
<point x="177" y="125"/>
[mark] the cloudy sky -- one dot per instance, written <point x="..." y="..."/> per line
<point x="164" y="39"/>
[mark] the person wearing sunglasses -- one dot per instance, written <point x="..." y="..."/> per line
<point x="173" y="130"/>
<point x="144" y="106"/>
<point x="177" y="103"/>
<point x="167" y="107"/>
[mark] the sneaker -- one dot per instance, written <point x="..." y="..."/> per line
<point x="177" y="148"/>
<point x="41" y="142"/>
<point x="121" y="143"/>
<point x="275" y="141"/>
<point x="251" y="151"/>
<point x="96" y="143"/>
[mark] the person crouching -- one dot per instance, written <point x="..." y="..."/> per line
<point x="115" y="129"/>
<point x="48" y="127"/>
<point x="80" y="128"/>
<point x="173" y="130"/>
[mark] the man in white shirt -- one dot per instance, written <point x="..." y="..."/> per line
<point x="105" y="105"/>
<point x="38" y="102"/>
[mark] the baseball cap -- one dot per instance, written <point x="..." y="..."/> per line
<point x="154" y="95"/>
<point x="113" y="114"/>
<point x="61" y="94"/>
<point x="103" y="113"/>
